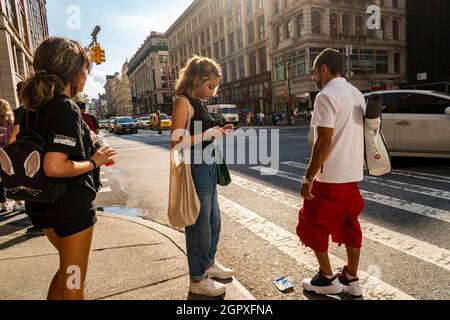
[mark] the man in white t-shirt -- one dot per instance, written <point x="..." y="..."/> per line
<point x="333" y="201"/>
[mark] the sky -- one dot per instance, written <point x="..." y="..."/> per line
<point x="124" y="27"/>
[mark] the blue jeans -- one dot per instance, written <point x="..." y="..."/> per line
<point x="202" y="238"/>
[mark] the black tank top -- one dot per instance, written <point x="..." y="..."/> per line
<point x="200" y="115"/>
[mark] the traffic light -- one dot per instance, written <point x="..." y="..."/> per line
<point x="98" y="54"/>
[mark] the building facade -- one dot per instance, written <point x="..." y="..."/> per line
<point x="150" y="76"/>
<point x="118" y="94"/>
<point x="267" y="47"/>
<point x="234" y="33"/>
<point x="23" y="25"/>
<point x="428" y="45"/>
<point x="300" y="30"/>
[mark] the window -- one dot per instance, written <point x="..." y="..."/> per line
<point x="251" y="32"/>
<point x="397" y="62"/>
<point x="217" y="51"/>
<point x="422" y="104"/>
<point x="299" y="64"/>
<point x="346" y="28"/>
<point x="263" y="59"/>
<point x="241" y="67"/>
<point x="334" y="25"/>
<point x="300" y="25"/>
<point x="238" y="14"/>
<point x="222" y="48"/>
<point x="249" y="7"/>
<point x="395" y="4"/>
<point x="396" y="29"/>
<point x="277" y="7"/>
<point x="233" y="70"/>
<point x="316" y="22"/>
<point x="382" y="65"/>
<point x="231" y="42"/>
<point x="359" y="25"/>
<point x="259" y="4"/>
<point x="290" y="29"/>
<point x="261" y="28"/>
<point x="279" y="69"/>
<point x="253" y="63"/>
<point x="279" y="34"/>
<point x="240" y="39"/>
<point x="215" y="32"/>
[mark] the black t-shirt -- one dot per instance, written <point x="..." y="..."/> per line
<point x="18" y="115"/>
<point x="201" y="115"/>
<point x="62" y="126"/>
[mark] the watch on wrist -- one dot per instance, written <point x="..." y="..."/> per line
<point x="306" y="180"/>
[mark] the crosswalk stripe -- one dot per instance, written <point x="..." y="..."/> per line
<point x="105" y="190"/>
<point x="408" y="245"/>
<point x="104" y="180"/>
<point x="419" y="175"/>
<point x="286" y="242"/>
<point x="425" y="174"/>
<point x="416" y="208"/>
<point x="389" y="183"/>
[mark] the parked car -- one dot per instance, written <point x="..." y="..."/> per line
<point x="110" y="125"/>
<point x="103" y="124"/>
<point x="143" y="122"/>
<point x="166" y="122"/>
<point x="217" y="120"/>
<point x="416" y="123"/>
<point x="125" y="125"/>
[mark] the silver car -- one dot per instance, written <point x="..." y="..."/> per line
<point x="416" y="123"/>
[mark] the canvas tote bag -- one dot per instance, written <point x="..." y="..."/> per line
<point x="184" y="204"/>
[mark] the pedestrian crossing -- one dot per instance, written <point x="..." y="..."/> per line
<point x="431" y="201"/>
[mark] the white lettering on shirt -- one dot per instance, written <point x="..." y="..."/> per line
<point x="64" y="140"/>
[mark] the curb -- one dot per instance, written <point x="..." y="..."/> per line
<point x="176" y="237"/>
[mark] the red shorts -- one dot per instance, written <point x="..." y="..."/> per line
<point x="334" y="211"/>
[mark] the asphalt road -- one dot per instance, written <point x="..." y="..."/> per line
<point x="406" y="221"/>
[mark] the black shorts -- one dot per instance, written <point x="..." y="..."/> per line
<point x="73" y="213"/>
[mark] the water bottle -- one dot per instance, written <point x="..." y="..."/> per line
<point x="100" y="142"/>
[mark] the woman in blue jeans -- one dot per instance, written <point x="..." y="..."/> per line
<point x="198" y="81"/>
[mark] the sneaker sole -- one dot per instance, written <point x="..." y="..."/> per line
<point x="353" y="296"/>
<point x="220" y="278"/>
<point x="330" y="293"/>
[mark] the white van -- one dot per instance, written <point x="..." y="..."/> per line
<point x="228" y="111"/>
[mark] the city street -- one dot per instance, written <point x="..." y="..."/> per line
<point x="406" y="222"/>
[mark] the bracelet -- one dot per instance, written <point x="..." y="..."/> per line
<point x="94" y="163"/>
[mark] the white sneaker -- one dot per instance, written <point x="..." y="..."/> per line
<point x="351" y="287"/>
<point x="19" y="206"/>
<point x="219" y="272"/>
<point x="322" y="285"/>
<point x="208" y="287"/>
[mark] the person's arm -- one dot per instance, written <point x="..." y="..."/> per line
<point x="14" y="134"/>
<point x="58" y="165"/>
<point x="96" y="125"/>
<point x="325" y="117"/>
<point x="179" y="121"/>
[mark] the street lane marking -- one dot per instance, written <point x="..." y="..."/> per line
<point x="392" y="184"/>
<point x="105" y="190"/>
<point x="419" y="175"/>
<point x="288" y="243"/>
<point x="416" y="208"/>
<point x="104" y="180"/>
<point x="418" y="249"/>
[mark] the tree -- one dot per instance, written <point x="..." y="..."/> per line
<point x="81" y="97"/>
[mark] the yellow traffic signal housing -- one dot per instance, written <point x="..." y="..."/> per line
<point x="98" y="54"/>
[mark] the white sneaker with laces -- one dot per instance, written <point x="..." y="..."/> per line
<point x="208" y="287"/>
<point x="19" y="206"/>
<point x="219" y="272"/>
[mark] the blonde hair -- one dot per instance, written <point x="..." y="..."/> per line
<point x="6" y="113"/>
<point x="57" y="62"/>
<point x="202" y="67"/>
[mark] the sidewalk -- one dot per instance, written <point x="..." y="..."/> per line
<point x="131" y="259"/>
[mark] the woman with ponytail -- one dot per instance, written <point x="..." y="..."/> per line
<point x="197" y="82"/>
<point x="61" y="69"/>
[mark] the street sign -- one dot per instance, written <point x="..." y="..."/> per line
<point x="422" y="76"/>
<point x="349" y="74"/>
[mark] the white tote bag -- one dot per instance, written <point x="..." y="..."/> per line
<point x="184" y="204"/>
<point x="377" y="157"/>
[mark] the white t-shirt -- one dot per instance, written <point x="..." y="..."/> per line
<point x="341" y="106"/>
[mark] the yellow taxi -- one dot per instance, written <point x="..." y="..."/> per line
<point x="166" y="122"/>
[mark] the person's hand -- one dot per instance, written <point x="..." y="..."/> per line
<point x="103" y="156"/>
<point x="307" y="191"/>
<point x="214" y="133"/>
